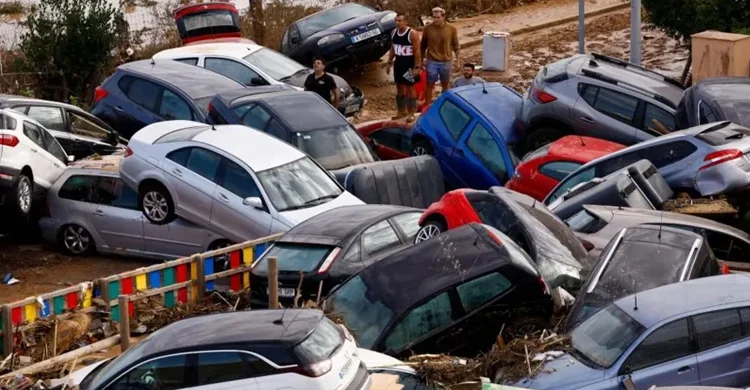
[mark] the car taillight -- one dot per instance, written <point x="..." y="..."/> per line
<point x="724" y="269"/>
<point x="543" y="285"/>
<point x="347" y="335"/>
<point x="587" y="245"/>
<point x="210" y="106"/>
<point x="720" y="157"/>
<point x="99" y="94"/>
<point x="314" y="370"/>
<point x="328" y="261"/>
<point x="543" y="97"/>
<point x="128" y="151"/>
<point x="495" y="238"/>
<point x="8" y="140"/>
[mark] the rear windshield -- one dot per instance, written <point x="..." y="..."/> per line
<point x="6" y="122"/>
<point x="724" y="135"/>
<point x="585" y="222"/>
<point x="556" y="71"/>
<point x="181" y="135"/>
<point x="561" y="232"/>
<point x="294" y="257"/>
<point x="363" y="313"/>
<point x="537" y="153"/>
<point x="322" y="343"/>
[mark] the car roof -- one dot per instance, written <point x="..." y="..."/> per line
<point x="19" y="116"/>
<point x="109" y="163"/>
<point x="421" y="270"/>
<point x="240" y="327"/>
<point x="237" y="50"/>
<point x="663" y="217"/>
<point x="339" y="225"/>
<point x="661" y="235"/>
<point x="495" y="108"/>
<point x="668" y="301"/>
<point x="238" y="97"/>
<point x="194" y="81"/>
<point x="302" y="110"/>
<point x="583" y="149"/>
<point x="725" y="88"/>
<point x="330" y="8"/>
<point x="22" y="99"/>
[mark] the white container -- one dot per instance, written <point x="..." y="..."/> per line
<point x="496" y="51"/>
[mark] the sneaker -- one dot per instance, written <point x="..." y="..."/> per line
<point x="410" y="119"/>
<point x="399" y="116"/>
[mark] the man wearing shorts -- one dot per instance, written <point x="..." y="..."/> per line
<point x="439" y="42"/>
<point x="405" y="59"/>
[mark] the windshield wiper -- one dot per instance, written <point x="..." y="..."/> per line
<point x="330" y="196"/>
<point x="584" y="359"/>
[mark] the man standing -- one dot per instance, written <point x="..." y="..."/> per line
<point x="322" y="83"/>
<point x="468" y="77"/>
<point x="405" y="58"/>
<point x="439" y="42"/>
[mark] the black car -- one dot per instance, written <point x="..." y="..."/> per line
<point x="641" y="258"/>
<point x="300" y="118"/>
<point x="332" y="246"/>
<point x="140" y="93"/>
<point x="78" y="132"/>
<point x="350" y="33"/>
<point x="450" y="295"/>
<point x="715" y="100"/>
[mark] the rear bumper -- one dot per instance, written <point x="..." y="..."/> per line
<point x="361" y="380"/>
<point x="733" y="176"/>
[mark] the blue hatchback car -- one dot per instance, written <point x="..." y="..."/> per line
<point x="470" y="130"/>
<point x="658" y="337"/>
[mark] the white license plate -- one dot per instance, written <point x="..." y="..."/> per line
<point x="345" y="369"/>
<point x="366" y="35"/>
<point x="351" y="109"/>
<point x="285" y="292"/>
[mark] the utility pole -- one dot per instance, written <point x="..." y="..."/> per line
<point x="581" y="26"/>
<point x="635" y="32"/>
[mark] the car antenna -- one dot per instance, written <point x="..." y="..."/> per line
<point x="280" y="321"/>
<point x="635" y="296"/>
<point x="582" y="143"/>
<point x="152" y="61"/>
<point x="484" y="90"/>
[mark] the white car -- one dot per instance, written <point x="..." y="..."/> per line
<point x="31" y="160"/>
<point x="256" y="65"/>
<point x="234" y="180"/>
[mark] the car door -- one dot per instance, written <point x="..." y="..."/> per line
<point x="229" y="213"/>
<point x="392" y="143"/>
<point x="143" y="99"/>
<point x="723" y="347"/>
<point x="256" y="116"/>
<point x="666" y="357"/>
<point x="229" y="370"/>
<point x="38" y="164"/>
<point x="51" y="157"/>
<point x="234" y="70"/>
<point x="116" y="217"/>
<point x="166" y="372"/>
<point x="192" y="173"/>
<point x="480" y="158"/>
<point x="174" y="107"/>
<point x="92" y="134"/>
<point x="603" y="112"/>
<point x="657" y="121"/>
<point x="666" y="156"/>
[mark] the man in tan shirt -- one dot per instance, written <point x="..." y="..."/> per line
<point x="439" y="42"/>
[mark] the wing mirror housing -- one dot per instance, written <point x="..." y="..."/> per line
<point x="253" y="201"/>
<point x="257" y="82"/>
<point x="627" y="383"/>
<point x="71" y="158"/>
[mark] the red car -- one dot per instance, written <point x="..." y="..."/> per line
<point x="541" y="170"/>
<point x="392" y="138"/>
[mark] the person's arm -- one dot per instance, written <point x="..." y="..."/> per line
<point x="335" y="91"/>
<point x="423" y="44"/>
<point x="307" y="81"/>
<point x="391" y="55"/>
<point x="417" y="48"/>
<point x="456" y="46"/>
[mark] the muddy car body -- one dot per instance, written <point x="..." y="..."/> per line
<point x="209" y="22"/>
<point x="715" y="99"/>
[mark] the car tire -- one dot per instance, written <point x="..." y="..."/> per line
<point x="542" y="136"/>
<point x="23" y="196"/>
<point x="421" y="148"/>
<point x="221" y="262"/>
<point x="75" y="240"/>
<point x="156" y="204"/>
<point x="430" y="229"/>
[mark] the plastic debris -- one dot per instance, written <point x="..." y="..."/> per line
<point x="545" y="356"/>
<point x="10" y="280"/>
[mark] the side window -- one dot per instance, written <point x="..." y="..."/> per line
<point x="51" y="145"/>
<point x="379" y="238"/>
<point x="430" y="316"/>
<point x="671" y="341"/>
<point x="717" y="328"/>
<point x="167" y="373"/>
<point x="481" y="290"/>
<point x="485" y="147"/>
<point x="7" y="123"/>
<point x="174" y="107"/>
<point x="276" y="129"/>
<point x="232" y="69"/>
<point x="616" y="105"/>
<point x="745" y="317"/>
<point x="254" y="116"/>
<point x="613" y="164"/>
<point x="285" y="41"/>
<point x="78" y="187"/>
<point x="201" y="161"/>
<point x="180" y="156"/>
<point x="668" y="153"/>
<point x="706" y="114"/>
<point x="656" y="115"/>
<point x="572" y="181"/>
<point x="81" y="125"/>
<point x="393" y="138"/>
<point x="588" y="93"/>
<point x="237" y="180"/>
<point x="33" y="132"/>
<point x="294" y="36"/>
<point x="353" y="254"/>
<point x="409" y="224"/>
<point x="455" y="118"/>
<point x="558" y="170"/>
<point x="143" y="93"/>
<point x="49" y="117"/>
<point x="189" y="61"/>
<point x="710" y="267"/>
<point x="112" y="192"/>
<point x="219" y="367"/>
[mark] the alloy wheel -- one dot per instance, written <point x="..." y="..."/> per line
<point x="76" y="239"/>
<point x="155" y="205"/>
<point x="426" y="233"/>
<point x="24" y="196"/>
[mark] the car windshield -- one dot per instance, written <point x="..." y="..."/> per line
<point x="586" y="222"/>
<point x="274" y="64"/>
<point x="334" y="148"/>
<point x="536" y="153"/>
<point x="364" y="315"/>
<point x="122" y="362"/>
<point x="331" y="17"/>
<point x="601" y="339"/>
<point x="298" y="184"/>
<point x="294" y="257"/>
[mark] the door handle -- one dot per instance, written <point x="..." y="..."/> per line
<point x="460" y="152"/>
<point x="685" y="369"/>
<point x="99" y="212"/>
<point x="118" y="108"/>
<point x="33" y="150"/>
<point x="177" y="172"/>
<point x="223" y="197"/>
<point x="587" y="119"/>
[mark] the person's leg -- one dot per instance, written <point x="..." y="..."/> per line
<point x="400" y="102"/>
<point x="411" y="102"/>
<point x="445" y="76"/>
<point x="432" y="78"/>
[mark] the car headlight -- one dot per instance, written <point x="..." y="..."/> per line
<point x="329" y="39"/>
<point x="389" y="17"/>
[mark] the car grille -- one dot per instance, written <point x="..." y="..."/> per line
<point x="363" y="28"/>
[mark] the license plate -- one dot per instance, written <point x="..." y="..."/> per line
<point x="285" y="292"/>
<point x="352" y="108"/>
<point x="366" y="35"/>
<point x="345" y="369"/>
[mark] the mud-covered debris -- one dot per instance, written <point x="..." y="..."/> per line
<point x="699" y="206"/>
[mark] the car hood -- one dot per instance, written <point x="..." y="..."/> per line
<point x="349" y="25"/>
<point x="564" y="372"/>
<point x="374" y="360"/>
<point x="299" y="81"/>
<point x="78" y="376"/>
<point x="294" y="217"/>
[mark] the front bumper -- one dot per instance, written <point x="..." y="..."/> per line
<point x="359" y="53"/>
<point x="353" y="104"/>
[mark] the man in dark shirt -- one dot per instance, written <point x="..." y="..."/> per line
<point x="322" y="83"/>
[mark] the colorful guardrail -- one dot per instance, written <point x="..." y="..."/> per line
<point x="177" y="281"/>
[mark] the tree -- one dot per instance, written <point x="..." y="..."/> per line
<point x="682" y="18"/>
<point x="72" y="45"/>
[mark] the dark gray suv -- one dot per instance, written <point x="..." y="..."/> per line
<point x="598" y="96"/>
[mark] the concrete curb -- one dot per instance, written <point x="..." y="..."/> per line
<point x="536" y="27"/>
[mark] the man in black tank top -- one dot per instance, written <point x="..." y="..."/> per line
<point x="405" y="59"/>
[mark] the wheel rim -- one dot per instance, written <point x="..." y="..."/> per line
<point x="155" y="205"/>
<point x="24" y="196"/>
<point x="76" y="239"/>
<point x="427" y="232"/>
<point x="419" y="151"/>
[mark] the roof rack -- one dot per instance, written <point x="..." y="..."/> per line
<point x="648" y="72"/>
<point x="633" y="87"/>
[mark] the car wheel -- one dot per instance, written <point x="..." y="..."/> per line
<point x="76" y="240"/>
<point x="156" y="204"/>
<point x="429" y="230"/>
<point x="221" y="262"/>
<point x="541" y="137"/>
<point x="23" y="192"/>
<point x="421" y="148"/>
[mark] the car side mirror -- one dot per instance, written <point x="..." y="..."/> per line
<point x="257" y="81"/>
<point x="295" y="40"/>
<point x="71" y="159"/>
<point x="627" y="383"/>
<point x="253" y="201"/>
